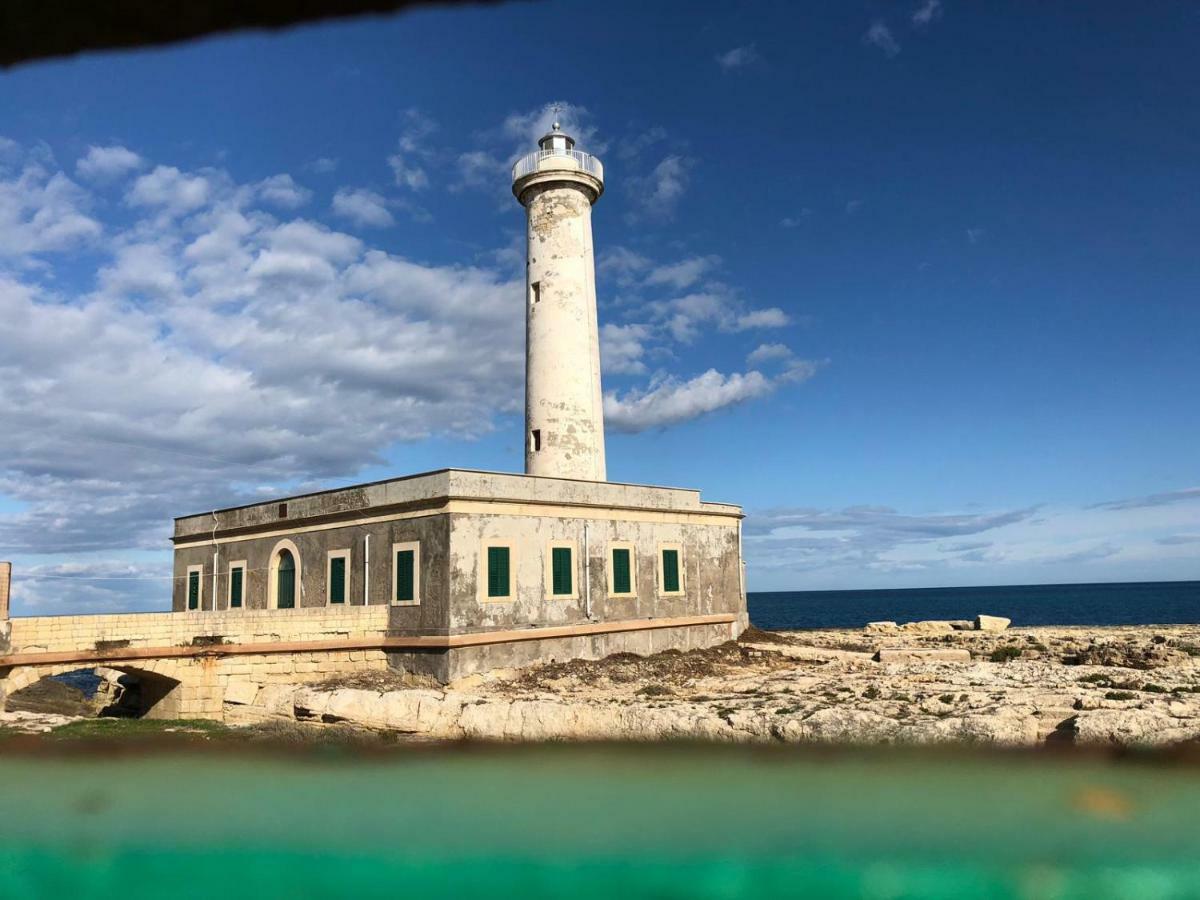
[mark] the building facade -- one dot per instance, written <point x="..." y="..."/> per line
<point x="501" y="569"/>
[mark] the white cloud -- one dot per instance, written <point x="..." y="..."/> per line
<point x="107" y="163"/>
<point x="738" y="57"/>
<point x="772" y="317"/>
<point x="323" y="165"/>
<point x="282" y="191"/>
<point x="764" y="353"/>
<point x="409" y="159"/>
<point x="43" y="212"/>
<point x="171" y="190"/>
<point x="362" y="207"/>
<point x="975" y="235"/>
<point x="656" y="195"/>
<point x="682" y="274"/>
<point x="879" y="35"/>
<point x="928" y="11"/>
<point x="685" y="316"/>
<point x="622" y="348"/>
<point x="224" y="351"/>
<point x="797" y="220"/>
<point x="670" y="401"/>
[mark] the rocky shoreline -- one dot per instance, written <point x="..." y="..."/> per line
<point x="920" y="683"/>
<point x="1017" y="687"/>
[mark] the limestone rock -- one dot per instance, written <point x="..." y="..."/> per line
<point x="991" y="623"/>
<point x="922" y="654"/>
<point x="931" y="626"/>
<point x="881" y="627"/>
<point x="241" y="692"/>
<point x="1133" y="726"/>
<point x="1011" y="727"/>
<point x="841" y="725"/>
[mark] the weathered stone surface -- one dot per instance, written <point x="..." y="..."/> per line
<point x="1133" y="726"/>
<point x="807" y="686"/>
<point x="932" y="626"/>
<point x="241" y="692"/>
<point x="1016" y="727"/>
<point x="877" y="627"/>
<point x="922" y="654"/>
<point x="991" y="623"/>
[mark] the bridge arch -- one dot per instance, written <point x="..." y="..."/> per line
<point x="159" y="683"/>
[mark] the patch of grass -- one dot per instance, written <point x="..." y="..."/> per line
<point x="1151" y="688"/>
<point x="654" y="690"/>
<point x="1004" y="654"/>
<point x="871" y="692"/>
<point x="1098" y="678"/>
<point x="947" y="698"/>
<point x="1190" y="649"/>
<point x="1187" y="689"/>
<point x="85" y="729"/>
<point x="786" y="710"/>
<point x="1120" y="695"/>
<point x="905" y="698"/>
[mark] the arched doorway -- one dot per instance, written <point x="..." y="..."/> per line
<point x="284" y="577"/>
<point x="285" y="583"/>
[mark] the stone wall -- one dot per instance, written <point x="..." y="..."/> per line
<point x="47" y="634"/>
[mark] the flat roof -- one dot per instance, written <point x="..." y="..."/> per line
<point x="364" y="484"/>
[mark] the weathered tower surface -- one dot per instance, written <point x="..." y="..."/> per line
<point x="564" y="417"/>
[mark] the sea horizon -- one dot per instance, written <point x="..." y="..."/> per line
<point x="1098" y="603"/>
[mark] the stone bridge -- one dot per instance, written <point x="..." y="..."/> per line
<point x="187" y="663"/>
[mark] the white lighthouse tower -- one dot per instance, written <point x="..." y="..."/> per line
<point x="564" y="417"/>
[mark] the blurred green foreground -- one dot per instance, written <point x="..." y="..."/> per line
<point x="595" y="821"/>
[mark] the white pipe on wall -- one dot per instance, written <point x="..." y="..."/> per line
<point x="216" y="559"/>
<point x="587" y="575"/>
<point x="366" y="570"/>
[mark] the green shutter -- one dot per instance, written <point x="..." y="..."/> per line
<point x="405" y="576"/>
<point x="497" y="572"/>
<point x="337" y="579"/>
<point x="235" y="587"/>
<point x="560" y="576"/>
<point x="620" y="564"/>
<point x="193" y="590"/>
<point x="670" y="571"/>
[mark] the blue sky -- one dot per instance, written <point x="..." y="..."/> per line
<point x="914" y="283"/>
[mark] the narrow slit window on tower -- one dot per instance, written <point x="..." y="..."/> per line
<point x="535" y="440"/>
<point x="535" y="292"/>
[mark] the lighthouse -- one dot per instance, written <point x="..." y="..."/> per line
<point x="564" y="416"/>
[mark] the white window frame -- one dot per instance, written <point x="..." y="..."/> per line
<point x="662" y="591"/>
<point x="415" y="547"/>
<point x="481" y="591"/>
<point x="187" y="587"/>
<point x="622" y="545"/>
<point x="329" y="558"/>
<point x="551" y="546"/>
<point x="236" y="564"/>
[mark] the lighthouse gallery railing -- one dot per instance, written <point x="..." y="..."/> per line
<point x="527" y="165"/>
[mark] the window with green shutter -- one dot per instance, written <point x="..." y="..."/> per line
<point x="622" y="583"/>
<point x="560" y="571"/>
<point x="337" y="579"/>
<point x="670" y="564"/>
<point x="193" y="597"/>
<point x="236" y="576"/>
<point x="497" y="571"/>
<point x="405" y="576"/>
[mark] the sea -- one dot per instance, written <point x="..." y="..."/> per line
<point x="1132" y="603"/>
